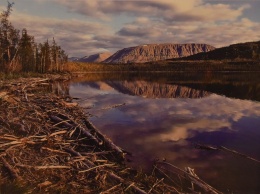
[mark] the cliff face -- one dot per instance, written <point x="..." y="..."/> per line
<point x="95" y="58"/>
<point x="155" y="52"/>
<point x="156" y="90"/>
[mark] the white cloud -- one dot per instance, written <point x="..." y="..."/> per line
<point x="184" y="131"/>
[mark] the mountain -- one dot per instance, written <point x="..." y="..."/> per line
<point x="99" y="57"/>
<point x="156" y="90"/>
<point x="74" y="58"/>
<point x="248" y="50"/>
<point x="155" y="52"/>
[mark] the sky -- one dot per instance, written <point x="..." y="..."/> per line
<point x="85" y="27"/>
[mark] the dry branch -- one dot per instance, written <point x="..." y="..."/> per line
<point x="12" y="171"/>
<point x="96" y="167"/>
<point x="106" y="140"/>
<point x="208" y="147"/>
<point x="192" y="177"/>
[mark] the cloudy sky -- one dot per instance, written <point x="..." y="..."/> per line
<point x="84" y="27"/>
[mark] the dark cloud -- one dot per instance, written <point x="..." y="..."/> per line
<point x="138" y="32"/>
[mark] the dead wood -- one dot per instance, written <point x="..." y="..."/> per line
<point x="71" y="124"/>
<point x="190" y="174"/>
<point x="222" y="148"/>
<point x="47" y="141"/>
<point x="238" y="153"/>
<point x="121" y="180"/>
<point x="13" y="172"/>
<point x="106" y="140"/>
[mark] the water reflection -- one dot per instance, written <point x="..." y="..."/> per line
<point x="156" y="90"/>
<point x="161" y="126"/>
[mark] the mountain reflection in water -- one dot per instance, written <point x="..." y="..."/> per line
<point x="165" y="120"/>
<point x="156" y="90"/>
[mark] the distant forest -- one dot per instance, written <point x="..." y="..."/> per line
<point x="19" y="52"/>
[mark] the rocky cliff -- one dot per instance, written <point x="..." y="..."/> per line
<point x="95" y="58"/>
<point x="156" y="90"/>
<point x="155" y="52"/>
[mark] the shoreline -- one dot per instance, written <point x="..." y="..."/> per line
<point x="48" y="145"/>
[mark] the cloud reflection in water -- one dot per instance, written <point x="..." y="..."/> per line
<point x="166" y="128"/>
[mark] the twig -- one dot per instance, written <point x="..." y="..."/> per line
<point x="155" y="185"/>
<point x="55" y="151"/>
<point x="10" y="143"/>
<point x="118" y="178"/>
<point x="58" y="133"/>
<point x="111" y="189"/>
<point x="73" y="152"/>
<point x="100" y="166"/>
<point x="51" y="167"/>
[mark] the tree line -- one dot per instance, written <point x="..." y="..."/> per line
<point x="19" y="51"/>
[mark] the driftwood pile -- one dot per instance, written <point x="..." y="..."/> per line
<point x="47" y="145"/>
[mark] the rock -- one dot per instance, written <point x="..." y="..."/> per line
<point x="155" y="52"/>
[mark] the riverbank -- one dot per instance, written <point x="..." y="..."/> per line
<point x="167" y="66"/>
<point x="48" y="145"/>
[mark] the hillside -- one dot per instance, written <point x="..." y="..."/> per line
<point x="95" y="58"/>
<point x="156" y="52"/>
<point x="248" y="50"/>
<point x="73" y="59"/>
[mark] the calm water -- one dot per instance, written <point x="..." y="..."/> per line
<point x="162" y="116"/>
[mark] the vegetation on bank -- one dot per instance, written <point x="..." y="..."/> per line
<point x="235" y="52"/>
<point x="20" y="53"/>
<point x="169" y="65"/>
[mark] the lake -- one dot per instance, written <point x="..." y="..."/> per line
<point x="166" y="115"/>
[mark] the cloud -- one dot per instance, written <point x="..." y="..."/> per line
<point x="138" y="31"/>
<point x="75" y="36"/>
<point x="186" y="130"/>
<point x="178" y="119"/>
<point x="150" y="21"/>
<point x="215" y="33"/>
<point x="169" y="10"/>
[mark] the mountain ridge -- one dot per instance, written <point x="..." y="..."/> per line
<point x="95" y="58"/>
<point x="155" y="52"/>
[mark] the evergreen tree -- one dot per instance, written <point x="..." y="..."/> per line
<point x="26" y="52"/>
<point x="54" y="55"/>
<point x="23" y="51"/>
<point x="9" y="38"/>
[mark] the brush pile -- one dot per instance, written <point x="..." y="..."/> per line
<point x="47" y="145"/>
